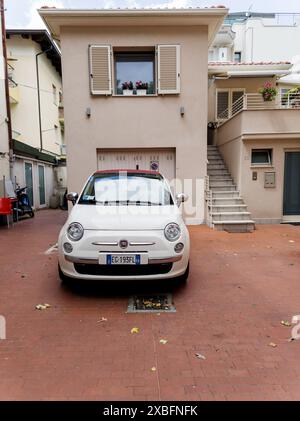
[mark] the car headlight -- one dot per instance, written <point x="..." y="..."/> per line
<point x="75" y="231"/>
<point x="172" y="232"/>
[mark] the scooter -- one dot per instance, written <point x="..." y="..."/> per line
<point x="22" y="206"/>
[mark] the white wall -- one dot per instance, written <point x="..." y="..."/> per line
<point x="271" y="42"/>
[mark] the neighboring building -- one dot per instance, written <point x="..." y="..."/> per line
<point x="259" y="37"/>
<point x="4" y="138"/>
<point x="165" y="128"/>
<point x="259" y="141"/>
<point x="34" y="65"/>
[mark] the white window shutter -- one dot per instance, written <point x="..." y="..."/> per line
<point x="168" y="69"/>
<point x="100" y="69"/>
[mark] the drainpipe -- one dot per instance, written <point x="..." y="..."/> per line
<point x="38" y="93"/>
<point x="8" y="119"/>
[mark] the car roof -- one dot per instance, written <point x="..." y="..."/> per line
<point x="128" y="170"/>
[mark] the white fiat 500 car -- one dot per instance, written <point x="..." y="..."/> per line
<point x="125" y="224"/>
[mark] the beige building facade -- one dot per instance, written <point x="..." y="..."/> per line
<point x="258" y="140"/>
<point x="164" y="128"/>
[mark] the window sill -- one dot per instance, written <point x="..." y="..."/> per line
<point x="256" y="166"/>
<point x="134" y="96"/>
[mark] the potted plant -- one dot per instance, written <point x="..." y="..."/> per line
<point x="141" y="88"/>
<point x="268" y="92"/>
<point x="127" y="88"/>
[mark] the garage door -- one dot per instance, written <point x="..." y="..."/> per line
<point x="162" y="160"/>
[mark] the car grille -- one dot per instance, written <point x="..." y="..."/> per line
<point x="123" y="270"/>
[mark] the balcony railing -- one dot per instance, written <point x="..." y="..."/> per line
<point x="256" y="102"/>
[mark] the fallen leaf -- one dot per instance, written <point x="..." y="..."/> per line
<point x="286" y="323"/>
<point x="158" y="314"/>
<point x="272" y="344"/>
<point x="200" y="356"/>
<point x="153" y="369"/>
<point x="41" y="307"/>
<point x="163" y="341"/>
<point x="103" y="319"/>
<point x="135" y="330"/>
<point x="291" y="241"/>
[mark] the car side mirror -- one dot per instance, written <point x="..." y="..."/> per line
<point x="180" y="198"/>
<point x="72" y="197"/>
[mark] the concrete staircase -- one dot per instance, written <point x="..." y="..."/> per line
<point x="227" y="210"/>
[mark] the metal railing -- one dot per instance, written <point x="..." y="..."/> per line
<point x="209" y="201"/>
<point x="256" y="102"/>
<point x="10" y="74"/>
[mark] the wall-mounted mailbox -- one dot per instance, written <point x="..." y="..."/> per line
<point x="270" y="179"/>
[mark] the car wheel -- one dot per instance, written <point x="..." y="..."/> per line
<point x="183" y="279"/>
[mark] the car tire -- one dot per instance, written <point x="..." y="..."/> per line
<point x="183" y="279"/>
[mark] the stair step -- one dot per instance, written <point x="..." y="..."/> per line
<point x="222" y="188"/>
<point x="217" y="194"/>
<point x="215" y="161"/>
<point x="216" y="167"/>
<point x="220" y="177"/>
<point x="227" y="201"/>
<point x="218" y="172"/>
<point x="212" y="147"/>
<point x="235" y="226"/>
<point x="214" y="155"/>
<point x="215" y="182"/>
<point x="228" y="208"/>
<point x="230" y="216"/>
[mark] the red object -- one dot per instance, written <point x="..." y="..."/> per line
<point x="5" y="206"/>
<point x="128" y="170"/>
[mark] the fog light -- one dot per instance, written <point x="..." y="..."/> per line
<point x="179" y="247"/>
<point x="68" y="247"/>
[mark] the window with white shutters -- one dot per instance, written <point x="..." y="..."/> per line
<point x="100" y="69"/>
<point x="168" y="69"/>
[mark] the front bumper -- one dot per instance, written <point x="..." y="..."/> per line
<point x="152" y="261"/>
<point x="163" y="262"/>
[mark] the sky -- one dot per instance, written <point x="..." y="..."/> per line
<point x="23" y="14"/>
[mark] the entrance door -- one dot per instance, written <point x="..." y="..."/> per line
<point x="291" y="198"/>
<point x="42" y="185"/>
<point x="29" y="181"/>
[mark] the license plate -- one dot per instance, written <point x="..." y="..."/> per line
<point x="123" y="259"/>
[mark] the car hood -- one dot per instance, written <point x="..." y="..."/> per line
<point x="93" y="217"/>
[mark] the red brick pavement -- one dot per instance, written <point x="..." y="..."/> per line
<point x="241" y="287"/>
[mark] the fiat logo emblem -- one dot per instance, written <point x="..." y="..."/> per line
<point x="123" y="244"/>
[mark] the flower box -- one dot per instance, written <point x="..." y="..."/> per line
<point x="127" y="92"/>
<point x="141" y="92"/>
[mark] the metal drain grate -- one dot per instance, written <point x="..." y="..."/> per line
<point x="158" y="303"/>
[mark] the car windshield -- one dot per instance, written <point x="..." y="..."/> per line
<point x="126" y="188"/>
